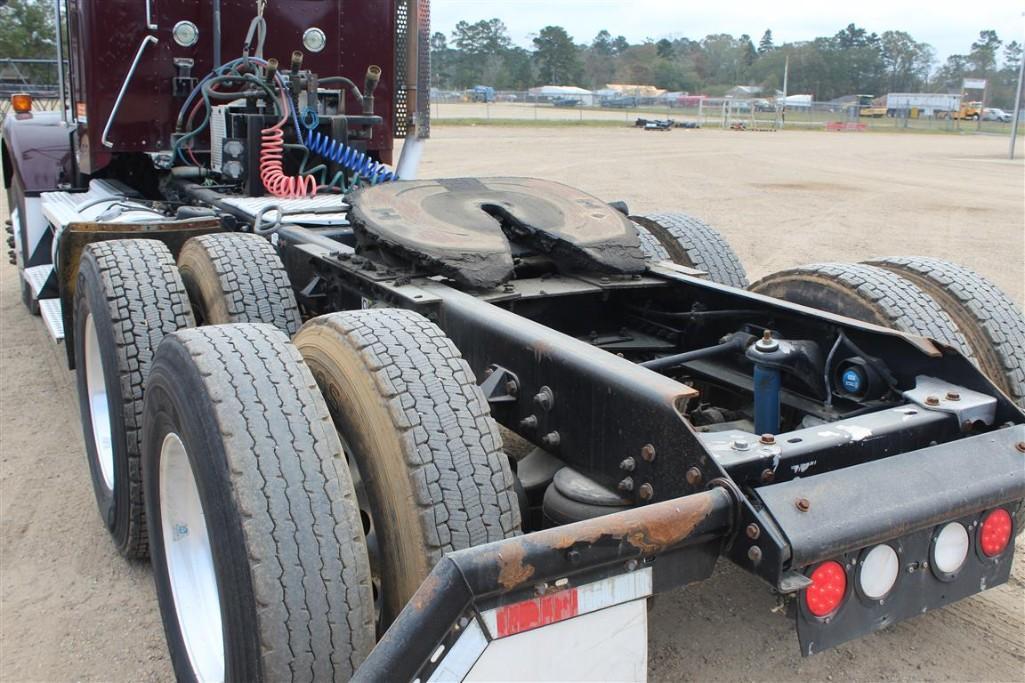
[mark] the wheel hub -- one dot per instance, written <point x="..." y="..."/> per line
<point x="190" y="567"/>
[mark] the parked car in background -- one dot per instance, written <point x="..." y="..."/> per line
<point x="619" y="102"/>
<point x="566" y="102"/>
<point x="995" y="114"/>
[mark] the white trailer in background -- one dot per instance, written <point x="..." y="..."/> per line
<point x="927" y="104"/>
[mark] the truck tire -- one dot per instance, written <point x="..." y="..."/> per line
<point x="419" y="432"/>
<point x="869" y="294"/>
<point x="238" y="278"/>
<point x="694" y="244"/>
<point x="650" y="245"/>
<point x="259" y="561"/>
<point x="129" y="297"/>
<point x="992" y="324"/>
<point x="16" y="201"/>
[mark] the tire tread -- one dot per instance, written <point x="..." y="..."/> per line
<point x="283" y="461"/>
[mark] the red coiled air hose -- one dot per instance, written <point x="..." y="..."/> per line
<point x="272" y="171"/>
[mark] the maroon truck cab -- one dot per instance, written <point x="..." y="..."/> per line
<point x="108" y="36"/>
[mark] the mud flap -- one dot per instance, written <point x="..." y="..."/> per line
<point x="598" y="631"/>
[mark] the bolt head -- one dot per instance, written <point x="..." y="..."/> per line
<point x="627" y="484"/>
<point x="803" y="504"/>
<point x="646" y="492"/>
<point x="753" y="531"/>
<point x="768" y="439"/>
<point x="754" y="553"/>
<point x="1020" y="446"/>
<point x="648" y="453"/>
<point x="953" y="396"/>
<point x="573" y="556"/>
<point x="551" y="440"/>
<point x="932" y="400"/>
<point x="511" y="387"/>
<point x="768" y="476"/>
<point x="529" y="422"/>
<point x="628" y="465"/>
<point x="741" y="445"/>
<point x="693" y="476"/>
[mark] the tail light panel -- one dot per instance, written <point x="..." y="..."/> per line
<point x="919" y="585"/>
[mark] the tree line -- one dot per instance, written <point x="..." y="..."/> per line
<point x="853" y="61"/>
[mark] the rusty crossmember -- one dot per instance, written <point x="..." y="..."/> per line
<point x="461" y="580"/>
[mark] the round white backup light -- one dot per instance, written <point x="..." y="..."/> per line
<point x="950" y="549"/>
<point x="879" y="572"/>
<point x="185" y="33"/>
<point x="314" y="39"/>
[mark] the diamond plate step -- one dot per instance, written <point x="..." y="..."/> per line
<point x="36" y="277"/>
<point x="50" y="310"/>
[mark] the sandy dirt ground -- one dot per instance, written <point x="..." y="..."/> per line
<point x="71" y="609"/>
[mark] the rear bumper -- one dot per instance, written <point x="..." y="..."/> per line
<point x="902" y="501"/>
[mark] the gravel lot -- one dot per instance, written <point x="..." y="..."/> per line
<point x="70" y="609"/>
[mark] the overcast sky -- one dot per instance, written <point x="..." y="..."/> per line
<point x="949" y="26"/>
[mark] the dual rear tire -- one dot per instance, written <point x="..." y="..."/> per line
<point x="250" y="444"/>
<point x="923" y="296"/>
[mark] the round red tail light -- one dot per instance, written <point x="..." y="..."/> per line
<point x="827" y="590"/>
<point x="995" y="532"/>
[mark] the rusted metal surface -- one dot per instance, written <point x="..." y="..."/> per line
<point x="858" y="506"/>
<point x="462" y="226"/>
<point x="464" y="578"/>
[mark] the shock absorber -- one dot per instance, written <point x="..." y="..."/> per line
<point x="766" y="356"/>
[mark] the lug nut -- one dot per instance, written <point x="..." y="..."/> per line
<point x="648" y="453"/>
<point x="646" y="492"/>
<point x="628" y="465"/>
<point x="767" y="439"/>
<point x="803" y="504"/>
<point x="544" y="398"/>
<point x="754" y="553"/>
<point x="627" y="484"/>
<point x="932" y="400"/>
<point x="953" y="396"/>
<point x="550" y="440"/>
<point x="693" y="476"/>
<point x="529" y="422"/>
<point x="753" y="531"/>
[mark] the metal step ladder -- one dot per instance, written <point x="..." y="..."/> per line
<point x="49" y="309"/>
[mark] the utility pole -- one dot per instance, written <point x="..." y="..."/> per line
<point x="1017" y="105"/>
<point x="786" y="79"/>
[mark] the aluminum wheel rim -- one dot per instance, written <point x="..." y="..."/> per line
<point x="190" y="566"/>
<point x="99" y="404"/>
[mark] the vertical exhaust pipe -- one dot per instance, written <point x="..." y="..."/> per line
<point x="413" y="145"/>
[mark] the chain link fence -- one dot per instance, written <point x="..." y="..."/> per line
<point x="520" y="108"/>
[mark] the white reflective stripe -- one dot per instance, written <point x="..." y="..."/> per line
<point x="591" y="597"/>
<point x="461" y="657"/>
<point x="608" y="645"/>
<point x="35" y="225"/>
